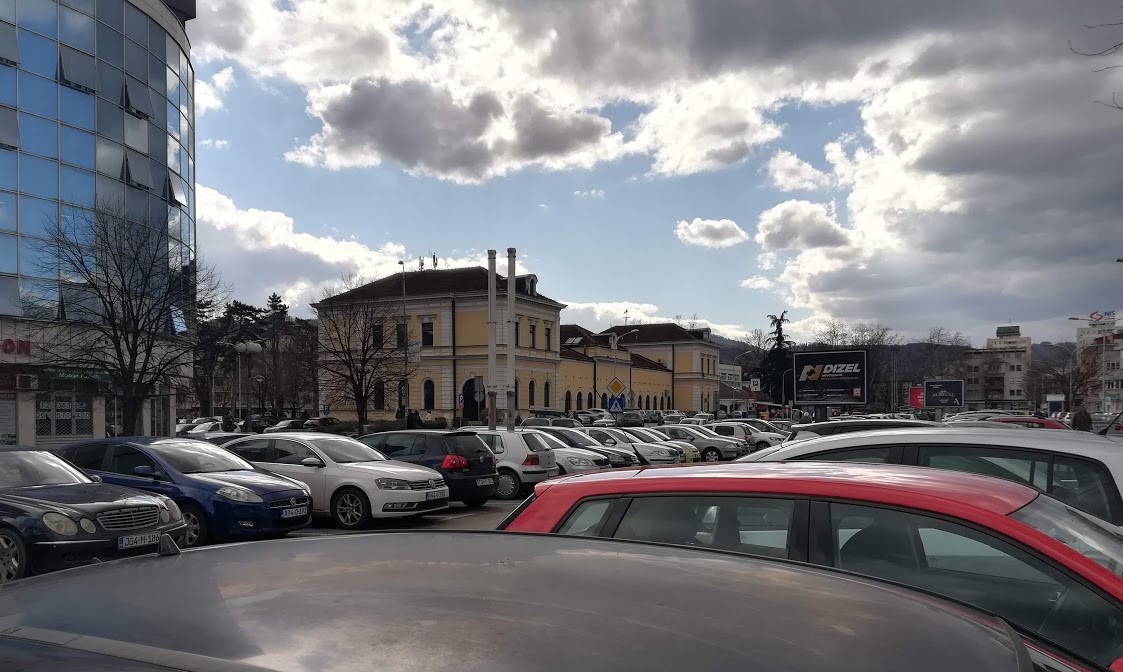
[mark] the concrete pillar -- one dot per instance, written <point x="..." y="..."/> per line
<point x="98" y="411"/>
<point x="25" y="418"/>
<point x="146" y="418"/>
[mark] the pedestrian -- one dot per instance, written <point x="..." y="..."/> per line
<point x="413" y="420"/>
<point x="428" y="416"/>
<point x="518" y="419"/>
<point x="228" y="424"/>
<point x="1082" y="419"/>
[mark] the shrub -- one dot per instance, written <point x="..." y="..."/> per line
<point x="435" y="423"/>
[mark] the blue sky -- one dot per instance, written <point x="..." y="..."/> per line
<point x="453" y="133"/>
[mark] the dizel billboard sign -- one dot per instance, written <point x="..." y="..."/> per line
<point x="836" y="378"/>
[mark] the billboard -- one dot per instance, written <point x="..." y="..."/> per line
<point x="943" y="393"/>
<point x="835" y="378"/>
<point x="1008" y="332"/>
<point x="916" y="397"/>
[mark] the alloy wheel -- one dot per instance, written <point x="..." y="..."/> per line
<point x="505" y="486"/>
<point x="191" y="535"/>
<point x="349" y="509"/>
<point x="711" y="455"/>
<point x="9" y="560"/>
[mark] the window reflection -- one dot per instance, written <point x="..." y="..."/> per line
<point x="110" y="121"/>
<point x="38" y="95"/>
<point x="136" y="25"/>
<point x="8" y="10"/>
<point x="111" y="83"/>
<point x="77" y="186"/>
<point x="77" y="69"/>
<point x="8" y="211"/>
<point x="9" y="128"/>
<point x="7" y="85"/>
<point x="76" y="147"/>
<point x="9" y="49"/>
<point x="36" y="216"/>
<point x="38" y="257"/>
<point x="7" y="162"/>
<point x="38" y="136"/>
<point x="136" y="133"/>
<point x="110" y="191"/>
<point x="136" y="205"/>
<point x="38" y="15"/>
<point x="39" y="299"/>
<point x="136" y="60"/>
<point x="85" y="6"/>
<point x="37" y="54"/>
<point x="138" y="172"/>
<point x="110" y="45"/>
<point x="9" y="297"/>
<point x="76" y="29"/>
<point x="38" y="177"/>
<point x="8" y="253"/>
<point x="111" y="12"/>
<point x="110" y="158"/>
<point x="76" y="108"/>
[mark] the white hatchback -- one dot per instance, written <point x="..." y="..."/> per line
<point x="349" y="481"/>
<point x="523" y="457"/>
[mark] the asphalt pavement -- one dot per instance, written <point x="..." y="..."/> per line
<point x="456" y="517"/>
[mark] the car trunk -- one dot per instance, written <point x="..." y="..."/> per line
<point x="481" y="461"/>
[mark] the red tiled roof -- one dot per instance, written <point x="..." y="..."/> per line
<point x="657" y="333"/>
<point x="641" y="362"/>
<point x="570" y="353"/>
<point x="436" y="282"/>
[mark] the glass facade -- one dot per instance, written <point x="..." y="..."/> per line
<point x="96" y="107"/>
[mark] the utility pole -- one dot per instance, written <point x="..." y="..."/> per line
<point x="512" y="325"/>
<point x="492" y="374"/>
<point x="403" y="390"/>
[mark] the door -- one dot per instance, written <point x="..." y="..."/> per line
<point x="90" y="458"/>
<point x="286" y="457"/>
<point x="121" y="470"/>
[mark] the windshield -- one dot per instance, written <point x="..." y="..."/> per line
<point x="646" y="435"/>
<point x="575" y="438"/>
<point x="198" y="457"/>
<point x="342" y="450"/>
<point x="709" y="433"/>
<point x="19" y="469"/>
<point x="659" y="431"/>
<point x="620" y="435"/>
<point x="1092" y="538"/>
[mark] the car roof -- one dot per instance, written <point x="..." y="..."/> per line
<point x="937" y="489"/>
<point x="228" y="607"/>
<point x="20" y="449"/>
<point x="141" y="441"/>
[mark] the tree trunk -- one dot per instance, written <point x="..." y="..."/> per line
<point x="131" y="415"/>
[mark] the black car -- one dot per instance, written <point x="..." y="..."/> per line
<point x="831" y="427"/>
<point x="466" y="462"/>
<point x="617" y="457"/>
<point x="52" y="516"/>
<point x="510" y="602"/>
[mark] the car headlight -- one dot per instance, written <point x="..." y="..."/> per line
<point x="660" y="453"/>
<point x="173" y="510"/>
<point x="580" y="461"/>
<point x="391" y="484"/>
<point x="60" y="524"/>
<point x="239" y="495"/>
<point x="164" y="516"/>
<point x="88" y="525"/>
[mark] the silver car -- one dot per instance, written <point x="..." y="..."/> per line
<point x="348" y="480"/>
<point x="712" y="447"/>
<point x="524" y="457"/>
<point x="758" y="439"/>
<point x="653" y="453"/>
<point x="572" y="460"/>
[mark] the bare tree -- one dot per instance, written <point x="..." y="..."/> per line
<point x="833" y="334"/>
<point x="1064" y="368"/>
<point x="128" y="303"/>
<point x="944" y="352"/>
<point x="1111" y="48"/>
<point x="362" y="352"/>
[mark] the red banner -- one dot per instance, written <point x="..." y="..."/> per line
<point x="916" y="397"/>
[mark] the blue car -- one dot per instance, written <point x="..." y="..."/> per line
<point x="222" y="496"/>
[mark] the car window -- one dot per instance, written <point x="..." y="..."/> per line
<point x="493" y="441"/>
<point x="398" y="446"/>
<point x="434" y="445"/>
<point x="871" y="455"/>
<point x="536" y="443"/>
<point x="965" y="564"/>
<point x="287" y="451"/>
<point x="1085" y="485"/>
<point x="1012" y="465"/>
<point x="724" y="431"/>
<point x="254" y="450"/>
<point x="89" y="456"/>
<point x="375" y="441"/>
<point x="587" y="519"/>
<point x="126" y="458"/>
<point x="743" y="524"/>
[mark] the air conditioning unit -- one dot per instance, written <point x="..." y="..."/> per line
<point x="26" y="382"/>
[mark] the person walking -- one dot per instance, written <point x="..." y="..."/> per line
<point x="1082" y="419"/>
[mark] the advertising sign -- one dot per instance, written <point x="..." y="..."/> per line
<point x="943" y="393"/>
<point x="1008" y="332"/>
<point x="835" y="378"/>
<point x="916" y="397"/>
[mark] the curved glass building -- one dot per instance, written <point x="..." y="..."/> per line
<point x="96" y="106"/>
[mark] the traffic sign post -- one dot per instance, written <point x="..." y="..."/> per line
<point x="616" y="406"/>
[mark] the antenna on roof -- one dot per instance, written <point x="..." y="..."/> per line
<point x="625" y="317"/>
<point x="421" y="263"/>
<point x="434" y="261"/>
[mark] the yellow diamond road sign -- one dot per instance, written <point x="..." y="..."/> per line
<point x="616" y="387"/>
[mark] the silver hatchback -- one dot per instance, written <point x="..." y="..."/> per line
<point x="524" y="458"/>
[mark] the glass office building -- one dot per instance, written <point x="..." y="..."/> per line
<point x="96" y="106"/>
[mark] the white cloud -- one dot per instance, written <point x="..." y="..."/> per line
<point x="766" y="261"/>
<point x="716" y="233"/>
<point x="601" y="315"/>
<point x="790" y="173"/>
<point x="757" y="282"/>
<point x="213" y="143"/>
<point x="799" y="225"/>
<point x="543" y="207"/>
<point x="209" y="95"/>
<point x="591" y="193"/>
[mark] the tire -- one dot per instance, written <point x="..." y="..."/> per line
<point x="14" y="561"/>
<point x="474" y="503"/>
<point x="762" y="445"/>
<point x="350" y="509"/>
<point x="197" y="533"/>
<point x="508" y="485"/>
<point x="711" y="455"/>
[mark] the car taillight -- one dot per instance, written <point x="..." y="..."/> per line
<point x="454" y="462"/>
<point x="530" y="460"/>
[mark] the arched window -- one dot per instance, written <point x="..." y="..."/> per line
<point x="580" y="401"/>
<point x="590" y="403"/>
<point x="516" y="395"/>
<point x="662" y="403"/>
<point x="430" y="395"/>
<point x="546" y="401"/>
<point x="568" y="401"/>
<point x="604" y="400"/>
<point x="379" y="396"/>
<point x="647" y="403"/>
<point x="530" y="394"/>
<point x="403" y="393"/>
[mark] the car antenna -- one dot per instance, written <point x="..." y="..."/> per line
<point x="167" y="546"/>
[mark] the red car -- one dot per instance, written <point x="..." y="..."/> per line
<point x="1048" y="569"/>
<point x="1030" y="422"/>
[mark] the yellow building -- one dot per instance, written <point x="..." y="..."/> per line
<point x="690" y="354"/>
<point x="589" y="364"/>
<point x="445" y="335"/>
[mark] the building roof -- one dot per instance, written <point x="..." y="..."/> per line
<point x="185" y="9"/>
<point x="570" y="353"/>
<point x="641" y="362"/>
<point x="576" y="335"/>
<point x="441" y="282"/>
<point x="659" y="333"/>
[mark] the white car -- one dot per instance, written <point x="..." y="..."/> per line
<point x="572" y="460"/>
<point x="349" y="481"/>
<point x="1082" y="470"/>
<point x="653" y="453"/>
<point x="523" y="457"/>
<point x="739" y="430"/>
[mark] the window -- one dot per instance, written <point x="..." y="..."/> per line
<point x="110" y="45"/>
<point x="1012" y="465"/>
<point x="38" y="95"/>
<point x="398" y="446"/>
<point x="429" y="395"/>
<point x="89" y="456"/>
<point x="568" y="401"/>
<point x="252" y="450"/>
<point x="38" y="177"/>
<point x="38" y="54"/>
<point x="533" y="336"/>
<point x="77" y="69"/>
<point x="530" y="394"/>
<point x="136" y="133"/>
<point x="7" y="84"/>
<point x="967" y="565"/>
<point x="546" y="395"/>
<point x="136" y="24"/>
<point x="7" y="211"/>
<point x="402" y="334"/>
<point x="1086" y="485"/>
<point x="9" y="129"/>
<point x="604" y="400"/>
<point x="9" y="52"/>
<point x="77" y="147"/>
<point x="872" y="455"/>
<point x="110" y="159"/>
<point x="518" y="328"/>
<point x="493" y="441"/>
<point x="379" y="396"/>
<point x="743" y="524"/>
<point x="590" y="404"/>
<point x="136" y="61"/>
<point x="287" y="451"/>
<point x="38" y="136"/>
<point x="549" y="338"/>
<point x="723" y="430"/>
<point x="138" y="172"/>
<point x="427" y="334"/>
<point x="137" y="99"/>
<point x="587" y="519"/>
<point x="580" y="399"/>
<point x="126" y="459"/>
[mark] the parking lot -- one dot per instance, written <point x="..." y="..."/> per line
<point x="456" y="517"/>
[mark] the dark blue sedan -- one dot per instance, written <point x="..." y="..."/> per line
<point x="222" y="496"/>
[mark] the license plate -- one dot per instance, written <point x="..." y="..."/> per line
<point x="134" y="540"/>
<point x="552" y="472"/>
<point x="294" y="512"/>
<point x="485" y="481"/>
<point x="436" y="494"/>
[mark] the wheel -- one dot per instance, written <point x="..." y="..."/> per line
<point x="13" y="557"/>
<point x="196" y="533"/>
<point x="711" y="455"/>
<point x="350" y="509"/>
<point x="762" y="445"/>
<point x="474" y="503"/>
<point x="508" y="486"/>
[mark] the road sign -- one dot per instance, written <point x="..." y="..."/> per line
<point x="616" y="387"/>
<point x="616" y="405"/>
<point x="943" y="393"/>
<point x="461" y="401"/>
<point x="754" y="384"/>
<point x="479" y="396"/>
<point x="259" y="378"/>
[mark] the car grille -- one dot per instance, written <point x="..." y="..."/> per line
<point x="432" y="504"/>
<point x="129" y="519"/>
<point x="600" y="462"/>
<point x="427" y="485"/>
<point x="288" y="501"/>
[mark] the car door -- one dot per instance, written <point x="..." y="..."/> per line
<point x="90" y="457"/>
<point x="970" y="565"/>
<point x="287" y="455"/>
<point x="120" y="469"/>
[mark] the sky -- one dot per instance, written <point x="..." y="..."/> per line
<point x="913" y="163"/>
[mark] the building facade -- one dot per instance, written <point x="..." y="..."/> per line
<point x="591" y="362"/>
<point x="96" y="107"/>
<point x="994" y="376"/>
<point x="1101" y="349"/>
<point x="689" y="354"/>
<point x="730" y="374"/>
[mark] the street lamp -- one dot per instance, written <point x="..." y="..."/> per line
<point x="242" y="348"/>
<point x="403" y="389"/>
<point x="631" y="392"/>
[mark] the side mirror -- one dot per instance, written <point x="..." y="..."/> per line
<point x="312" y="462"/>
<point x="94" y="477"/>
<point x="610" y="442"/>
<point x="145" y="471"/>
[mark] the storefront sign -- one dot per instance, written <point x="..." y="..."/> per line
<point x="837" y="378"/>
<point x="7" y="418"/>
<point x="76" y="374"/>
<point x="9" y="346"/>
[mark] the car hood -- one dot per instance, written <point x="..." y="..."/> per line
<point x="771" y="436"/>
<point x="391" y="469"/>
<point x="648" y="447"/>
<point x="259" y="482"/>
<point x="78" y="498"/>
<point x="577" y="452"/>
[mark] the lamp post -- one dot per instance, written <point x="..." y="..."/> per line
<point x="631" y="392"/>
<point x="403" y="389"/>
<point x="241" y="348"/>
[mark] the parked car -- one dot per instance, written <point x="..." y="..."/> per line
<point x="617" y="457"/>
<point x="222" y="496"/>
<point x="704" y="417"/>
<point x="550" y="422"/>
<point x="346" y="479"/>
<point x="632" y="419"/>
<point x="749" y="434"/>
<point x="712" y="448"/>
<point x="322" y="422"/>
<point x="696" y="421"/>
<point x="586" y="418"/>
<point x="1002" y="546"/>
<point x="198" y="429"/>
<point x="605" y="422"/>
<point x="523" y="458"/>
<point x="762" y="425"/>
<point x="1029" y="422"/>
<point x="811" y="430"/>
<point x="461" y="457"/>
<point x="574" y="460"/>
<point x="237" y="606"/>
<point x="651" y="453"/>
<point x="221" y="438"/>
<point x="53" y="516"/>
<point x="1083" y="470"/>
<point x="689" y="452"/>
<point x="181" y="428"/>
<point x="293" y="425"/>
